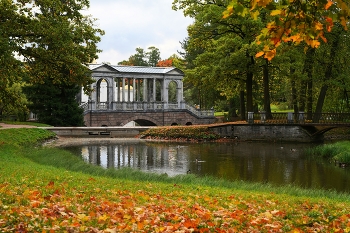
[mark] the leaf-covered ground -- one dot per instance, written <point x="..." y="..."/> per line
<point x="51" y="200"/>
<point x="42" y="198"/>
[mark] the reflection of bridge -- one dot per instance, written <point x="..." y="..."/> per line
<point x="145" y="95"/>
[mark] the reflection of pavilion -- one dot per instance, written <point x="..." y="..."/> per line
<point x="162" y="159"/>
<point x="142" y="89"/>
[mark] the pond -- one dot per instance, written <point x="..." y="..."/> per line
<point x="274" y="163"/>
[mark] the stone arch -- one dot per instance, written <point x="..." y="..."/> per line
<point x="143" y="120"/>
<point x="104" y="124"/>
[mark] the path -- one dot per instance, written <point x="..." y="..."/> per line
<point x="7" y="126"/>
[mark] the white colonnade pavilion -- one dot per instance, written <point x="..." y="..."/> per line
<point x="134" y="88"/>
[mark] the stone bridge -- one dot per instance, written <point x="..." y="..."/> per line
<point x="283" y="127"/>
<point x="146" y="118"/>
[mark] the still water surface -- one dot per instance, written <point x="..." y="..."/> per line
<point x="275" y="163"/>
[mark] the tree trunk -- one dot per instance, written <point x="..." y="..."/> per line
<point x="267" y="103"/>
<point x="309" y="99"/>
<point x="308" y="69"/>
<point x="320" y="101"/>
<point x="294" y="90"/>
<point x="327" y="76"/>
<point x="232" y="108"/>
<point x="249" y="86"/>
<point x="242" y="105"/>
<point x="303" y="94"/>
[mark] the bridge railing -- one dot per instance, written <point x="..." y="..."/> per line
<point x="138" y="105"/>
<point x="299" y="118"/>
<point x="84" y="106"/>
<point x="198" y="112"/>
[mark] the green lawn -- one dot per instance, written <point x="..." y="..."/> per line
<point x="44" y="189"/>
<point x="26" y="123"/>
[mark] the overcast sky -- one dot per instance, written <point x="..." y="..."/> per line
<point x="129" y="24"/>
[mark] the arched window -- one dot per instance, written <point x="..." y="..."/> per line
<point x="172" y="92"/>
<point x="102" y="90"/>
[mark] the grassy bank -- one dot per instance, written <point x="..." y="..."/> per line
<point x="180" y="133"/>
<point x="26" y="123"/>
<point x="338" y="152"/>
<point x="50" y="190"/>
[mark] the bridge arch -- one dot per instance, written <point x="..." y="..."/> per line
<point x="143" y="120"/>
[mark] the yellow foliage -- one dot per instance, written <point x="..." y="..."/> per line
<point x="228" y="11"/>
<point x="270" y="54"/>
<point x="254" y="14"/>
<point x="263" y="3"/>
<point x="313" y="43"/>
<point x="329" y="4"/>
<point x="343" y="22"/>
<point x="275" y="12"/>
<point x="318" y="26"/>
<point x="259" y="54"/>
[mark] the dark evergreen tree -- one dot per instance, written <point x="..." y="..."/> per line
<point x="55" y="104"/>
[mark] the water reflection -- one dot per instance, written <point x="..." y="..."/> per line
<point x="257" y="162"/>
<point x="172" y="160"/>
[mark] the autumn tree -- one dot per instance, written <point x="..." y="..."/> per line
<point x="173" y="61"/>
<point x="292" y="21"/>
<point x="165" y="63"/>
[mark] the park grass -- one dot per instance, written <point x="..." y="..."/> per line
<point x="220" y="113"/>
<point x="274" y="109"/>
<point x="45" y="189"/>
<point x="26" y="123"/>
<point x="338" y="152"/>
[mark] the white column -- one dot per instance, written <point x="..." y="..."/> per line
<point x="117" y="87"/>
<point x="110" y="92"/>
<point x="165" y="94"/>
<point x="129" y="90"/>
<point x="123" y="90"/>
<point x="134" y="90"/>
<point x="145" y="94"/>
<point x="180" y="93"/>
<point x="154" y="90"/>
<point x="138" y="89"/>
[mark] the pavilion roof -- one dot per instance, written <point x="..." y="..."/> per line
<point x="136" y="69"/>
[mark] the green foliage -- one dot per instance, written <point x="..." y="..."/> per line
<point x="221" y="52"/>
<point x="55" y="104"/>
<point x="13" y="102"/>
<point x="339" y="152"/>
<point x="143" y="58"/>
<point x="45" y="39"/>
<point x="180" y="132"/>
